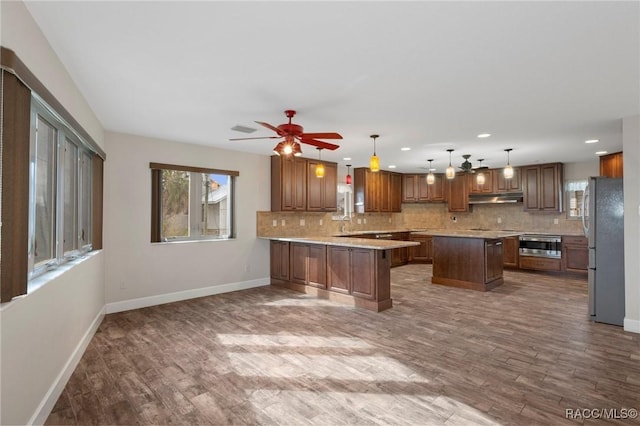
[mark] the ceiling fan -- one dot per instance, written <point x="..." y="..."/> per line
<point x="292" y="133"/>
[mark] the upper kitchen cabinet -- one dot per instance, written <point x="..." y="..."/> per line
<point x="295" y="187"/>
<point x="611" y="165"/>
<point x="501" y="184"/>
<point x="322" y="193"/>
<point x="484" y="188"/>
<point x="542" y="187"/>
<point x="458" y="193"/>
<point x="377" y="191"/>
<point x="415" y="188"/>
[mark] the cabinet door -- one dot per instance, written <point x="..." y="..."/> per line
<point x="330" y="187"/>
<point x="486" y="187"/>
<point x="436" y="190"/>
<point x="395" y="192"/>
<point x="576" y="258"/>
<point x="299" y="184"/>
<point x="315" y="188"/>
<point x="500" y="184"/>
<point x="611" y="165"/>
<point x="363" y="268"/>
<point x="409" y="188"/>
<point x="493" y="260"/>
<point x="298" y="258"/>
<point x="419" y="253"/>
<point x="530" y="190"/>
<point x="457" y="194"/>
<point x="384" y="194"/>
<point x="279" y="256"/>
<point x="510" y="251"/>
<point x="550" y="188"/>
<point x="372" y="189"/>
<point x="424" y="189"/>
<point x="317" y="266"/>
<point x="339" y="269"/>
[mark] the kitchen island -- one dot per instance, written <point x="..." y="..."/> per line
<point x="468" y="259"/>
<point x="354" y="271"/>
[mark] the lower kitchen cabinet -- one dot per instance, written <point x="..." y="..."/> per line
<point x="308" y="264"/>
<point x="510" y="251"/>
<point x="575" y="253"/>
<point x="540" y="263"/>
<point x="493" y="260"/>
<point x="400" y="256"/>
<point x="351" y="271"/>
<point x="424" y="252"/>
<point x="279" y="251"/>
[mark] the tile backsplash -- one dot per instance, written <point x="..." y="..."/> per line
<point x="427" y="215"/>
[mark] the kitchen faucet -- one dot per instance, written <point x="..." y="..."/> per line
<point x="343" y="224"/>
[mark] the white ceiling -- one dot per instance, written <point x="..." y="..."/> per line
<point x="541" y="77"/>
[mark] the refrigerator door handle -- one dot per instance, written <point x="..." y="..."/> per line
<point x="585" y="204"/>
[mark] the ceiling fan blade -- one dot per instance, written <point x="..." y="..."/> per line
<point x="269" y="126"/>
<point x="328" y="135"/>
<point x="262" y="137"/>
<point x="319" y="144"/>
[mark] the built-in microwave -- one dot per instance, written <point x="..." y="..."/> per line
<point x="541" y="245"/>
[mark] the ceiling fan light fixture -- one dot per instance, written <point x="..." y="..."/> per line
<point x="374" y="161"/>
<point x="320" y="165"/>
<point x="431" y="178"/>
<point x="508" y="170"/>
<point x="450" y="173"/>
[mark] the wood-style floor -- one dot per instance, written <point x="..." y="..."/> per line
<point x="521" y="354"/>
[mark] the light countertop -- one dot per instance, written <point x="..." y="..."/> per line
<point x="464" y="233"/>
<point x="365" y="243"/>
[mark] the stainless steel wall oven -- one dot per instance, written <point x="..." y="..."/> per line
<point x="541" y="245"/>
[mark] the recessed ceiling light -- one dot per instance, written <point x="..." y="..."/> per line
<point x="601" y="152"/>
<point x="484" y="135"/>
<point x="405" y="148"/>
<point x="347" y="158"/>
<point x="392" y="166"/>
<point x="592" y="141"/>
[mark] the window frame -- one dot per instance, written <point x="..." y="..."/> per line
<point x="195" y="195"/>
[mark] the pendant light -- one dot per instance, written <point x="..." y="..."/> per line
<point x="320" y="165"/>
<point x="480" y="179"/>
<point x="348" y="174"/>
<point x="508" y="170"/>
<point x="374" y="162"/>
<point x="450" y="172"/>
<point x="431" y="178"/>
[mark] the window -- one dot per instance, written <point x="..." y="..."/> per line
<point x="60" y="192"/>
<point x="190" y="203"/>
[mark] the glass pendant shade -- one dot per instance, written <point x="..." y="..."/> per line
<point x="480" y="178"/>
<point x="374" y="161"/>
<point x="320" y="165"/>
<point x="348" y="180"/>
<point x="431" y="178"/>
<point x="508" y="170"/>
<point x="450" y="173"/>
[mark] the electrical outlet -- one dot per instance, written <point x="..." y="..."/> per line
<point x="499" y="220"/>
<point x="320" y="222"/>
<point x="556" y="221"/>
<point x="282" y="222"/>
<point x="359" y="221"/>
<point x="389" y="220"/>
<point x="275" y="222"/>
<point x="301" y="222"/>
<point x="365" y="220"/>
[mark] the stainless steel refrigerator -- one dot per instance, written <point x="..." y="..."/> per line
<point x="604" y="226"/>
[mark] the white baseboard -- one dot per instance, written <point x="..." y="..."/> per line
<point x="143" y="302"/>
<point x="631" y="325"/>
<point x="51" y="397"/>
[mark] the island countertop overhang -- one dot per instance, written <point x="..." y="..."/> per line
<point x="364" y="243"/>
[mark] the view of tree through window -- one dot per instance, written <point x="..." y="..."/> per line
<point x="195" y="205"/>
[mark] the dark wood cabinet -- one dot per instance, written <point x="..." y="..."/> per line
<point x="279" y="251"/>
<point x="542" y="188"/>
<point x="486" y="187"/>
<point x="457" y="193"/>
<point x="510" y="251"/>
<point x="288" y="183"/>
<point x="424" y="252"/>
<point x="377" y="191"/>
<point x="540" y="263"/>
<point x="493" y="260"/>
<point x="415" y="188"/>
<point x="308" y="264"/>
<point x="575" y="253"/>
<point x="351" y="271"/>
<point x="502" y="184"/>
<point x="322" y="192"/>
<point x="400" y="256"/>
<point x="611" y="165"/>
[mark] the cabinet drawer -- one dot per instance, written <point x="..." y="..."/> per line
<point x="540" y="263"/>
<point x="574" y="240"/>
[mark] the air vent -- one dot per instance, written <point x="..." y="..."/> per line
<point x="243" y="129"/>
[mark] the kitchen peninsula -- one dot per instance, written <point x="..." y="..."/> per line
<point x="354" y="271"/>
<point x="468" y="259"/>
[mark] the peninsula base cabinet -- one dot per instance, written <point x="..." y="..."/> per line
<point x="357" y="276"/>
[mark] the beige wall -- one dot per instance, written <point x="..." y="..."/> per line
<point x="175" y="270"/>
<point x="42" y="332"/>
<point x="631" y="147"/>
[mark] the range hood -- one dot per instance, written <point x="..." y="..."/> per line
<point x="499" y="198"/>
